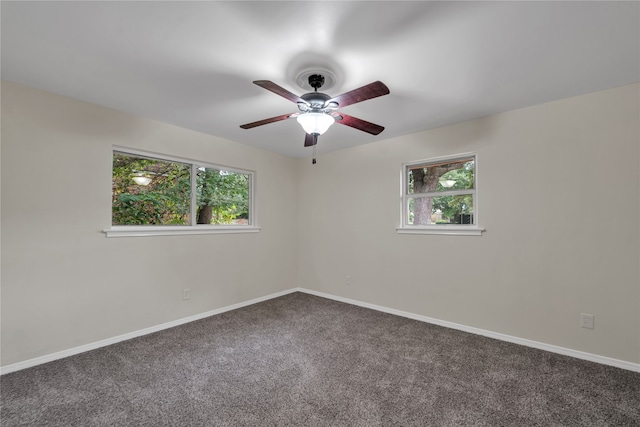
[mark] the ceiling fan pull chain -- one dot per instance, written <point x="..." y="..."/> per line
<point x="313" y="162"/>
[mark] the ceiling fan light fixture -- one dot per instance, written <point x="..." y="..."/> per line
<point x="315" y="122"/>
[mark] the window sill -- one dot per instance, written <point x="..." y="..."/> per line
<point x="143" y="231"/>
<point x="452" y="230"/>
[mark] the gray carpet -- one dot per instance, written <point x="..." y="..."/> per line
<point x="301" y="360"/>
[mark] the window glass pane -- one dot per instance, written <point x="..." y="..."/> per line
<point x="222" y="197"/>
<point x="149" y="191"/>
<point x="446" y="176"/>
<point x="456" y="209"/>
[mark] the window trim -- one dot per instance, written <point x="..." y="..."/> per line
<point x="442" y="229"/>
<point x="170" y="230"/>
<point x="193" y="228"/>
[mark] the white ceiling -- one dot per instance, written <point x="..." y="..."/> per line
<point x="192" y="63"/>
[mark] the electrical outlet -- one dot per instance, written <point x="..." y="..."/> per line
<point x="586" y="320"/>
<point x="347" y="280"/>
<point x="186" y="294"/>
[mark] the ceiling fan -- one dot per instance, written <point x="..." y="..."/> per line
<point x="317" y="111"/>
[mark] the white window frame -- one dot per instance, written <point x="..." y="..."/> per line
<point x="192" y="228"/>
<point x="446" y="229"/>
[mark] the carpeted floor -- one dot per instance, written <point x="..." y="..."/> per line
<point x="301" y="360"/>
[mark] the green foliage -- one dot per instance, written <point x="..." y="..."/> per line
<point x="145" y="208"/>
<point x="227" y="193"/>
<point x="450" y="206"/>
<point x="167" y="198"/>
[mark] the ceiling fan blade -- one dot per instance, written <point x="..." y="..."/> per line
<point x="310" y="140"/>
<point x="279" y="90"/>
<point x="359" y="124"/>
<point x="372" y="90"/>
<point x="267" y="121"/>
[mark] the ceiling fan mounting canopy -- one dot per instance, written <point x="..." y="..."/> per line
<point x="302" y="78"/>
<point x="316" y="81"/>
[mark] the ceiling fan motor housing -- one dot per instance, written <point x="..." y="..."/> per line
<point x="315" y="100"/>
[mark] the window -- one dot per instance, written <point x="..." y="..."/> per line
<point x="439" y="196"/>
<point x="159" y="196"/>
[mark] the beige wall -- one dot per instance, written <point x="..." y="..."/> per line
<point x="64" y="284"/>
<point x="546" y="175"/>
<point x="558" y="193"/>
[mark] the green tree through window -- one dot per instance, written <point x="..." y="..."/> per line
<point x="152" y="191"/>
<point x="222" y="196"/>
<point x="440" y="192"/>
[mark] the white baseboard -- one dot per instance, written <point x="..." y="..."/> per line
<point x="528" y="343"/>
<point x="508" y="338"/>
<point x="103" y="343"/>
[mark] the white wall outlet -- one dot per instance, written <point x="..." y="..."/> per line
<point x="586" y="320"/>
<point x="186" y="294"/>
<point x="347" y="280"/>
